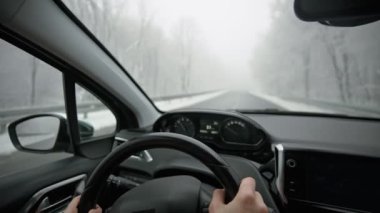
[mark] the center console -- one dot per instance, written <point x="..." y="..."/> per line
<point x="317" y="181"/>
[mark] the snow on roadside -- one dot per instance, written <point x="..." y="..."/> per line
<point x="167" y="105"/>
<point x="292" y="105"/>
<point x="6" y="146"/>
<point x="328" y="109"/>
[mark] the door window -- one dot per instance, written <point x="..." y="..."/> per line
<point x="28" y="86"/>
<point x="95" y="119"/>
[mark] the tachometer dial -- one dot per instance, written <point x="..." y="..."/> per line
<point x="184" y="126"/>
<point x="235" y="131"/>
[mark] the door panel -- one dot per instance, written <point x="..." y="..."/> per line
<point x="21" y="186"/>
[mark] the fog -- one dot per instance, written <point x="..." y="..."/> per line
<point x="227" y="29"/>
<point x="181" y="47"/>
<point x="186" y="46"/>
<point x="203" y="54"/>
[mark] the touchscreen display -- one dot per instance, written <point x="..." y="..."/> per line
<point x="346" y="181"/>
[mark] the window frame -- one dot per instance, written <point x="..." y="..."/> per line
<point x="125" y="118"/>
<point x="88" y="32"/>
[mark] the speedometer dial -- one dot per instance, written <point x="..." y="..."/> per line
<point x="235" y="131"/>
<point x="184" y="126"/>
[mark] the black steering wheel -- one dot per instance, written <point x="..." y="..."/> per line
<point x="170" y="194"/>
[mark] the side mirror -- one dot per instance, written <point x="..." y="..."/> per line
<point x="42" y="133"/>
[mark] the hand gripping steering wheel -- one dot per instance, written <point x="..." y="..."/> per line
<point x="169" y="194"/>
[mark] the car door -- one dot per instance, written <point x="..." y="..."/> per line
<point x="46" y="181"/>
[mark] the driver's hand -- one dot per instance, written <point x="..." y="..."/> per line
<point x="247" y="200"/>
<point x="72" y="207"/>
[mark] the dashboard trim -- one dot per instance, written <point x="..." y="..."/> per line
<point x="38" y="195"/>
<point x="142" y="156"/>
<point x="280" y="164"/>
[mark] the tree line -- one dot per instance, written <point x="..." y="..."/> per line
<point x="313" y="61"/>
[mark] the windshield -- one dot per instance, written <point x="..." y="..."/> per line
<point x="238" y="55"/>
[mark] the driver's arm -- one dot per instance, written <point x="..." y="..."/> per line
<point x="247" y="200"/>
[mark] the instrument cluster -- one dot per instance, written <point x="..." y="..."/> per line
<point x="225" y="130"/>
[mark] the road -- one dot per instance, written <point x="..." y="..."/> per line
<point x="232" y="100"/>
<point x="244" y="100"/>
<point x="12" y="160"/>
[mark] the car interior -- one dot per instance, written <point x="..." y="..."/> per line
<point x="156" y="161"/>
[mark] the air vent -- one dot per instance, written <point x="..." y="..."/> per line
<point x="142" y="156"/>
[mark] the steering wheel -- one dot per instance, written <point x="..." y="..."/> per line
<point x="169" y="194"/>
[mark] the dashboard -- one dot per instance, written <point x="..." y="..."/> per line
<point x="318" y="163"/>
<point x="226" y="132"/>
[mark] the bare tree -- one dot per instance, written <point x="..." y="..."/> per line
<point x="33" y="81"/>
<point x="334" y="42"/>
<point x="306" y="67"/>
<point x="185" y="38"/>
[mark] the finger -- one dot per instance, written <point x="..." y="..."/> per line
<point x="217" y="198"/>
<point x="74" y="203"/>
<point x="259" y="198"/>
<point x="260" y="204"/>
<point x="247" y="186"/>
<point x="97" y="210"/>
<point x="246" y="194"/>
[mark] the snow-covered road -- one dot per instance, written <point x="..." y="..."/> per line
<point x="103" y="120"/>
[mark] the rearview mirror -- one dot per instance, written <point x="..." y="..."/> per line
<point x="40" y="133"/>
<point x="338" y="12"/>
